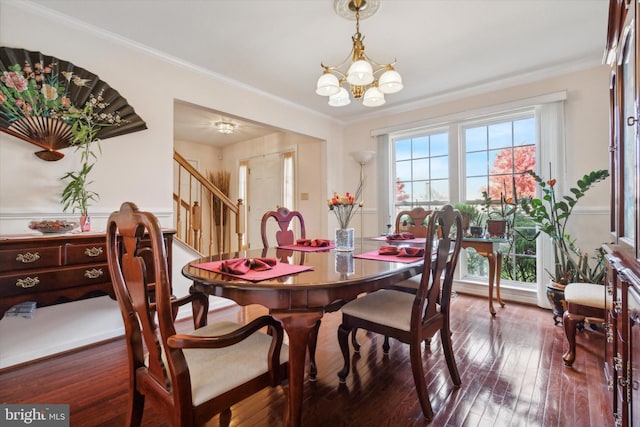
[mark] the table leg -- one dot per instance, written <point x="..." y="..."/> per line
<point x="492" y="274"/>
<point x="498" y="274"/>
<point x="298" y="326"/>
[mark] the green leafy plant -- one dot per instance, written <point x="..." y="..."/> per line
<point x="469" y="213"/>
<point x="85" y="125"/>
<point x="75" y="195"/>
<point x="468" y="209"/>
<point x="551" y="213"/>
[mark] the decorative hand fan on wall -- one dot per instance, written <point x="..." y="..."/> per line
<point x="40" y="94"/>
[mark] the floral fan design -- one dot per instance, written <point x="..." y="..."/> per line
<point x="40" y="94"/>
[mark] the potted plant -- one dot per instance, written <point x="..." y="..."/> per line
<point x="468" y="212"/>
<point x="551" y="213"/>
<point x="85" y="124"/>
<point x="500" y="222"/>
<point x="471" y="219"/>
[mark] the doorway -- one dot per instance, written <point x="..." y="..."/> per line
<point x="265" y="192"/>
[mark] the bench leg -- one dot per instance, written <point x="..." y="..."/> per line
<point x="571" y="322"/>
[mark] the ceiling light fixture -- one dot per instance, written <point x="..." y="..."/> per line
<point x="361" y="74"/>
<point x="225" y="127"/>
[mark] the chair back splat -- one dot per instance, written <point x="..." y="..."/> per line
<point x="414" y="318"/>
<point x="413" y="221"/>
<point x="285" y="237"/>
<point x="283" y="217"/>
<point x="193" y="376"/>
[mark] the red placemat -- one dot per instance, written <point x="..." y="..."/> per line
<point x="374" y="255"/>
<point x="278" y="270"/>
<point x="303" y="248"/>
<point x="414" y="240"/>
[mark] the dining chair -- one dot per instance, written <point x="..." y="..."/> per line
<point x="189" y="377"/>
<point x="284" y="218"/>
<point x="285" y="236"/>
<point x="413" y="221"/>
<point x="412" y="318"/>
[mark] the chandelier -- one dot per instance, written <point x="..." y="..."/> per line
<point x="225" y="127"/>
<point x="361" y="76"/>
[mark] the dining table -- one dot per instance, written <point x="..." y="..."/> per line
<point x="487" y="247"/>
<point x="320" y="280"/>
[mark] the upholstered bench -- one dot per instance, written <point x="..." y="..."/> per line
<point x="584" y="302"/>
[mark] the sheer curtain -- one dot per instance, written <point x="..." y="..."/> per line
<point x="288" y="179"/>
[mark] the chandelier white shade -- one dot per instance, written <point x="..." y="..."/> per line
<point x="340" y="99"/>
<point x="360" y="73"/>
<point x="360" y="77"/>
<point x="390" y="82"/>
<point x="328" y="85"/>
<point x="225" y="127"/>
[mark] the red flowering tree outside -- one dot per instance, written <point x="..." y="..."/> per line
<point x="507" y="166"/>
<point x="401" y="195"/>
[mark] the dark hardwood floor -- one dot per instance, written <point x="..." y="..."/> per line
<point x="511" y="368"/>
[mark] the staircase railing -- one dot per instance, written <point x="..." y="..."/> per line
<point x="203" y="213"/>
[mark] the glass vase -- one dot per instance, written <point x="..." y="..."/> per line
<point x="344" y="263"/>
<point x="344" y="239"/>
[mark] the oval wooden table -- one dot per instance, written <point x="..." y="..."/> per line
<point x="299" y="300"/>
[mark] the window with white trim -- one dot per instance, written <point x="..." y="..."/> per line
<point x="421" y="170"/>
<point x="457" y="163"/>
<point x="497" y="154"/>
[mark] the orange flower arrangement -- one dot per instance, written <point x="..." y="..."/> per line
<point x="345" y="206"/>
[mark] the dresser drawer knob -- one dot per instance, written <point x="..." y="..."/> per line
<point x="28" y="257"/>
<point x="27" y="282"/>
<point x="93" y="252"/>
<point x="617" y="306"/>
<point x="94" y="273"/>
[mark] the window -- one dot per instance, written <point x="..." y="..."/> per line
<point x="490" y="156"/>
<point x="545" y="114"/>
<point x="497" y="154"/>
<point x="421" y="170"/>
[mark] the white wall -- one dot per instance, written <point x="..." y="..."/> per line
<point x="30" y="187"/>
<point x="135" y="167"/>
<point x="138" y="166"/>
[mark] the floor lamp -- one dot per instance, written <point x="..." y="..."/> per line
<point x="362" y="157"/>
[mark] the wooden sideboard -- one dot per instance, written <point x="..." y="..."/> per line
<point x="622" y="358"/>
<point x="56" y="268"/>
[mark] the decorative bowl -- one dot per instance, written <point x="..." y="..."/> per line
<point x="53" y="226"/>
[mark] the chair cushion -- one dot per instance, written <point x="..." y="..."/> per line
<point x="410" y="283"/>
<point x="386" y="307"/>
<point x="215" y="371"/>
<point x="587" y="294"/>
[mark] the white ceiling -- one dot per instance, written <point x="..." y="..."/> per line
<point x="444" y="48"/>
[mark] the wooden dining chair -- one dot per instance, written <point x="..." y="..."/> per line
<point x="283" y="217"/>
<point x="413" y="221"/>
<point x="413" y="318"/>
<point x="285" y="236"/>
<point x="189" y="377"/>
